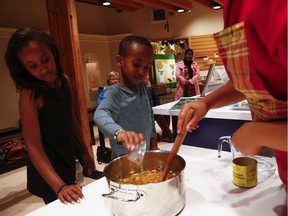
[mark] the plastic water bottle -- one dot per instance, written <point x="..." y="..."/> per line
<point x="79" y="172"/>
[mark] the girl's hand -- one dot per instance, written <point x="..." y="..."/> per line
<point x="70" y="194"/>
<point x="130" y="140"/>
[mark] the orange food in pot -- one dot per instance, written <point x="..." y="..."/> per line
<point x="146" y="177"/>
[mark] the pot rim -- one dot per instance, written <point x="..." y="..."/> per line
<point x="153" y="183"/>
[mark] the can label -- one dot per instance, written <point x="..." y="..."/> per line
<point x="245" y="172"/>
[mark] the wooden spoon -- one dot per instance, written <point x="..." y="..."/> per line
<point x="177" y="143"/>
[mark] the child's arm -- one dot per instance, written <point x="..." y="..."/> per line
<point x="104" y="116"/>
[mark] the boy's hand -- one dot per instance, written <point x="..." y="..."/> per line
<point x="130" y="140"/>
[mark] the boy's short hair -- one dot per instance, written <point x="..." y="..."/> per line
<point x="128" y="41"/>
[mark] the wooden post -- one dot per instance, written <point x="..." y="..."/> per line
<point x="64" y="30"/>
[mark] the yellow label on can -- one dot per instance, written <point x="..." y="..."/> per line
<point x="245" y="172"/>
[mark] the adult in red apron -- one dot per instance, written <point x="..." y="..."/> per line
<point x="254" y="52"/>
<point x="253" y="47"/>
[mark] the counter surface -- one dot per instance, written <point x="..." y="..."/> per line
<point x="209" y="191"/>
<point x="221" y="113"/>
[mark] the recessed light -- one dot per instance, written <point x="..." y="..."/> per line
<point x="106" y="3"/>
<point x="216" y="6"/>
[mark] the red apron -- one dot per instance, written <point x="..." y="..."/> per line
<point x="233" y="49"/>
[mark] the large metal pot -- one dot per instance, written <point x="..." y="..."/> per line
<point x="154" y="199"/>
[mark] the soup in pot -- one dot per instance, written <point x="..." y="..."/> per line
<point x="146" y="177"/>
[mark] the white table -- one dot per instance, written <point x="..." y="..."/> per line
<point x="225" y="112"/>
<point x="218" y="122"/>
<point x="205" y="194"/>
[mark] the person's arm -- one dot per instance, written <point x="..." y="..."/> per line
<point x="104" y="114"/>
<point x="196" y="75"/>
<point x="103" y="118"/>
<point x="223" y="96"/>
<point x="31" y="132"/>
<point x="252" y="136"/>
<point x="180" y="74"/>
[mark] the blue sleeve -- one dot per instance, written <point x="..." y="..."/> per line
<point x="100" y="97"/>
<point x="103" y="116"/>
<point x="101" y="91"/>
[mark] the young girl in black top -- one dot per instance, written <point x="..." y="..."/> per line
<point x="46" y="116"/>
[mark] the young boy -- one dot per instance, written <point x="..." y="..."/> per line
<point x="125" y="114"/>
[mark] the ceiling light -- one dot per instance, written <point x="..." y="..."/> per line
<point x="216" y="6"/>
<point x="106" y="3"/>
<point x="180" y="10"/>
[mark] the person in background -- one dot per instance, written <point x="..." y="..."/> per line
<point x="48" y="126"/>
<point x="255" y="59"/>
<point x="187" y="74"/>
<point x="125" y="114"/>
<point x="162" y="120"/>
<point x="112" y="78"/>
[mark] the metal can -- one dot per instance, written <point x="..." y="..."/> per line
<point x="245" y="172"/>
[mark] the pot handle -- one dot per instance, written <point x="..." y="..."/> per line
<point x="113" y="195"/>
<point x="223" y="139"/>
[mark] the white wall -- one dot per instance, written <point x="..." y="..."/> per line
<point x="104" y="21"/>
<point x="199" y="21"/>
<point x="100" y="30"/>
<point x="9" y="114"/>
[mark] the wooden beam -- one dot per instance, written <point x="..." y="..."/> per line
<point x="158" y="4"/>
<point x="129" y="3"/>
<point x="180" y="3"/>
<point x="221" y="2"/>
<point x="64" y="30"/>
<point x="122" y="7"/>
<point x="207" y="3"/>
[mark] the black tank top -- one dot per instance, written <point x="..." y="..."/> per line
<point x="55" y="120"/>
